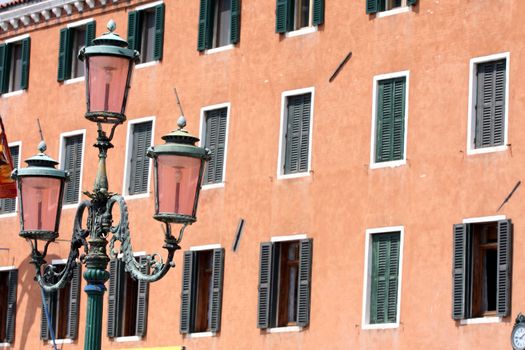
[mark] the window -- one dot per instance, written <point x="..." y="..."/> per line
<point x="140" y="137"/>
<point x="72" y="149"/>
<point x="72" y="39"/>
<point x="291" y="15"/>
<point x="373" y="6"/>
<point x="219" y="23"/>
<point x="481" y="275"/>
<point x="296" y="135"/>
<point x="8" y="205"/>
<point x="215" y="121"/>
<point x="488" y="110"/>
<point x="62" y="307"/>
<point x="201" y="296"/>
<point x="389" y="119"/>
<point x="14" y="65"/>
<point x="284" y="284"/>
<point x="382" y="278"/>
<point x="146" y="32"/>
<point x="8" y="285"/>
<point x="128" y="301"/>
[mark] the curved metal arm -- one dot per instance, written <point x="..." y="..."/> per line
<point x="155" y="262"/>
<point x="51" y="280"/>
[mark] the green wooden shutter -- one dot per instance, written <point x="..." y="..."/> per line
<point x="133" y="30"/>
<point x="216" y="290"/>
<point x="8" y="205"/>
<point x="490" y="104"/>
<point x="4" y="67"/>
<point x="459" y="263"/>
<point x="74" y="302"/>
<point x="411" y="2"/>
<point x="113" y="302"/>
<point x="504" y="268"/>
<point x="142" y="300"/>
<point x="265" y="281"/>
<point x="11" y="306"/>
<point x="318" y="12"/>
<point x="390" y="123"/>
<point x="235" y="21"/>
<point x="216" y="121"/>
<point x="73" y="164"/>
<point x="203" y="39"/>
<point x="26" y="49"/>
<point x="187" y="295"/>
<point x="297" y="134"/>
<point x="64" y="69"/>
<point x="372" y="6"/>
<point x="91" y="32"/>
<point x="159" y="32"/>
<point x="44" y="327"/>
<point x="281" y="16"/>
<point x="305" y="273"/>
<point x="139" y="162"/>
<point x="385" y="271"/>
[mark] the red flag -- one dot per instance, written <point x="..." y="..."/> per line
<point x="7" y="185"/>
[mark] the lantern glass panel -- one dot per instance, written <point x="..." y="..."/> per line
<point x="178" y="177"/>
<point x="107" y="79"/>
<point x="40" y="200"/>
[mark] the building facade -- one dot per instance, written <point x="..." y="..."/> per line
<point x="364" y="190"/>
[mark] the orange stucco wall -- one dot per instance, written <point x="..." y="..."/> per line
<point x="440" y="185"/>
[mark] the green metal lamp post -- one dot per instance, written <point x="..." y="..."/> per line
<point x="178" y="169"/>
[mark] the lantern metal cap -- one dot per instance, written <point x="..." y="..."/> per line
<point x="109" y="43"/>
<point x="110" y="37"/>
<point x="40" y="165"/>
<point x="180" y="135"/>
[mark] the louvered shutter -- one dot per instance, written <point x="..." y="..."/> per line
<point x="216" y="121"/>
<point x="372" y="6"/>
<point x="458" y="271"/>
<point x="203" y="40"/>
<point x="4" y="67"/>
<point x="159" y="32"/>
<point x="91" y="30"/>
<point x="113" y="302"/>
<point x="281" y="16"/>
<point x="318" y="12"/>
<point x="142" y="301"/>
<point x="73" y="164"/>
<point x="64" y="69"/>
<point x="235" y="21"/>
<point x="297" y="134"/>
<point x="26" y="48"/>
<point x="265" y="281"/>
<point x="216" y="290"/>
<point x="390" y="125"/>
<point x="133" y="30"/>
<point x="385" y="271"/>
<point x="411" y="2"/>
<point x="504" y="268"/>
<point x="11" y="306"/>
<point x="139" y="162"/>
<point x="8" y="205"/>
<point x="74" y="301"/>
<point x="490" y="106"/>
<point x="305" y="272"/>
<point x="186" y="306"/>
<point x="44" y="327"/>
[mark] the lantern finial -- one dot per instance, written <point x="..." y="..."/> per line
<point x="181" y="122"/>
<point x="111" y="25"/>
<point x="42" y="147"/>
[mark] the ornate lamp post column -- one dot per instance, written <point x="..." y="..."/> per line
<point x="178" y="169"/>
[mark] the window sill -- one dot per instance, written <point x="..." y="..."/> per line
<point x="219" y="49"/>
<point x="284" y="329"/>
<point x="127" y="339"/>
<point x="213" y="186"/>
<point x="302" y="31"/>
<point x="393" y="12"/>
<point x="13" y="93"/>
<point x="74" y="80"/>
<point x="136" y="196"/>
<point x="147" y="64"/>
<point x="293" y="176"/>
<point x="5" y="345"/>
<point x="8" y="215"/>
<point x="201" y="335"/>
<point x="484" y="150"/>
<point x="482" y="320"/>
<point x="391" y="164"/>
<point x="380" y="326"/>
<point x="60" y="341"/>
<point x="70" y="206"/>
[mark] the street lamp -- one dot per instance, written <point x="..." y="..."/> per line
<point x="178" y="168"/>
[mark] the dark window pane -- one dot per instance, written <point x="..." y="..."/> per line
<point x="4" y="288"/>
<point x="203" y="290"/>
<point x="78" y="37"/>
<point x="147" y="34"/>
<point x="15" y="74"/>
<point x="222" y="16"/>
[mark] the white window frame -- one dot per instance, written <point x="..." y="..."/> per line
<point x="202" y="133"/>
<point x="367" y="277"/>
<point x="19" y="145"/>
<point x="472" y="95"/>
<point x="61" y="155"/>
<point x="404" y="8"/>
<point x="2" y="269"/>
<point x="10" y="41"/>
<point x="142" y="8"/>
<point x="75" y="25"/>
<point x="377" y="79"/>
<point x="282" y="141"/>
<point x="125" y="184"/>
<point x="310" y="28"/>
